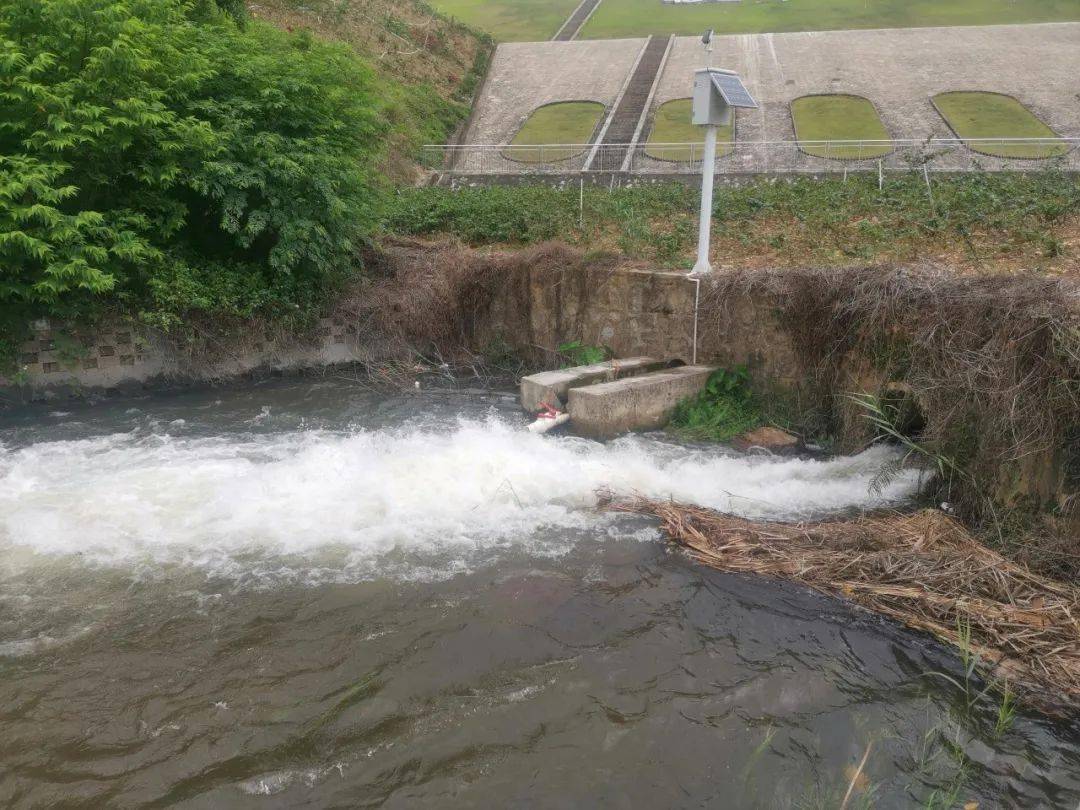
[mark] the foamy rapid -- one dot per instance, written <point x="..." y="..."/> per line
<point x="358" y="496"/>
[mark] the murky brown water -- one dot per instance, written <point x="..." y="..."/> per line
<point x="302" y="595"/>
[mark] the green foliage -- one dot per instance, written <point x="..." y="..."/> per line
<point x="577" y="353"/>
<point x="722" y="410"/>
<point x="157" y="156"/>
<point x="887" y="420"/>
<point x="235" y="9"/>
<point x="824" y="221"/>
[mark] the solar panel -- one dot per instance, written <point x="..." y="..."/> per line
<point x="733" y="91"/>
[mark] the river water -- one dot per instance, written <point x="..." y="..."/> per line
<point x="307" y="594"/>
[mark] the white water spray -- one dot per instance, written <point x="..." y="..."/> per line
<point x="218" y="503"/>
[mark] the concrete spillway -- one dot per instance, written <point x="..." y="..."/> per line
<point x="608" y="399"/>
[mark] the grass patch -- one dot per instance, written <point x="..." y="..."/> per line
<point x="576" y="353"/>
<point x="565" y="122"/>
<point x="977" y="114"/>
<point x="721" y="411"/>
<point x="510" y="20"/>
<point x="671" y="124"/>
<point x="839" y="117"/>
<point x="1013" y="221"/>
<point x="625" y="18"/>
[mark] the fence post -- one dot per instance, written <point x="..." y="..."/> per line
<point x="880" y="175"/>
<point x="581" y="203"/>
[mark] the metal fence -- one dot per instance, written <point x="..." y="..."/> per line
<point x="761" y="157"/>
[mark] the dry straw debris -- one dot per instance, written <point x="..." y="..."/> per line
<point x="993" y="363"/>
<point x="922" y="569"/>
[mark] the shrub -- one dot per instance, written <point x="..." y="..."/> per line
<point x="157" y="156"/>
<point x="722" y="410"/>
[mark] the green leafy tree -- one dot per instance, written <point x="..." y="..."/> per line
<point x="155" y="155"/>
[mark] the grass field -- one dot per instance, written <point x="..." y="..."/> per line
<point x="511" y="20"/>
<point x="625" y="18"/>
<point x="1013" y="222"/>
<point x="671" y="124"/>
<point x="839" y="118"/>
<point x="566" y="122"/>
<point x="991" y="115"/>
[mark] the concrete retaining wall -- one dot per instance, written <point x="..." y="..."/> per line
<point x="533" y="310"/>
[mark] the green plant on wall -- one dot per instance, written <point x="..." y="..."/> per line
<point x="725" y="408"/>
<point x="576" y="353"/>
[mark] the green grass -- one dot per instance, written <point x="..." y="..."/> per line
<point x="992" y="115"/>
<point x="671" y="124"/>
<point x="992" y="218"/>
<point x="565" y="122"/>
<point x="839" y="118"/>
<point x="722" y="411"/>
<point x="624" y="18"/>
<point x="510" y="20"/>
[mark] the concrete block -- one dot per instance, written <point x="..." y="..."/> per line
<point x="606" y="410"/>
<point x="552" y="386"/>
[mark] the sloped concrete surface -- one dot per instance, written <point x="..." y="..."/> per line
<point x="606" y="410"/>
<point x="527" y="75"/>
<point x="899" y="70"/>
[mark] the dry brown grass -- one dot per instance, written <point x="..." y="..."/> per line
<point x="406" y="42"/>
<point x="924" y="570"/>
<point x="418" y="47"/>
<point x="436" y="295"/>
<point x="992" y="361"/>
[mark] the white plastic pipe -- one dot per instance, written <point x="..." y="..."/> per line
<point x="545" y="424"/>
<point x="708" y="164"/>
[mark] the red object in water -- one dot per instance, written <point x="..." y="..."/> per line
<point x="547" y="412"/>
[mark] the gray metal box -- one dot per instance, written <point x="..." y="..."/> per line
<point x="715" y="93"/>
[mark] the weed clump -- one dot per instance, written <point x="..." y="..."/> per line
<point x="725" y="408"/>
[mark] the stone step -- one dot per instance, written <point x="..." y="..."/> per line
<point x="625" y="117"/>
<point x="551" y="387"/>
<point x="645" y="402"/>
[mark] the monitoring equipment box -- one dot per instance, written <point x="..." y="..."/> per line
<point x="716" y="92"/>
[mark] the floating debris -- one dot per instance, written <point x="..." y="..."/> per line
<point x="923" y="569"/>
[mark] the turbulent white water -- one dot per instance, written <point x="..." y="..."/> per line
<point x="353" y="498"/>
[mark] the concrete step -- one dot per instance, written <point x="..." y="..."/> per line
<point x="551" y="387"/>
<point x="645" y="402"/>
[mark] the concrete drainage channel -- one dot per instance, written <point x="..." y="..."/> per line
<point x="604" y="400"/>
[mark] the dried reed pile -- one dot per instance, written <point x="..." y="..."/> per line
<point x="992" y="361"/>
<point x="923" y="569"/>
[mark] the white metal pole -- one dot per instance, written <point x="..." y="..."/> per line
<point x="708" y="164"/>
